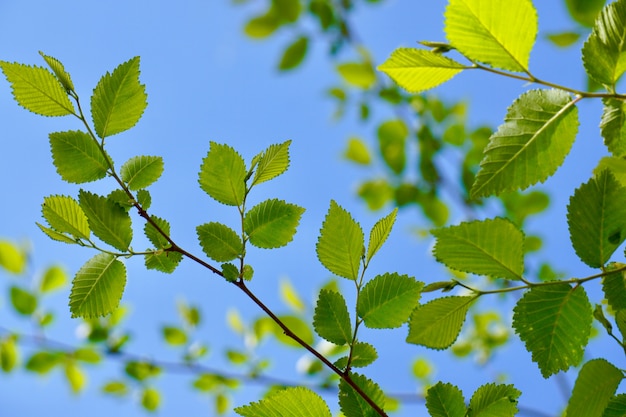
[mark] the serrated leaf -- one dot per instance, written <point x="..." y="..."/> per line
<point x="595" y="386"/>
<point x="59" y="71"/>
<point x="24" y="302"/>
<point x="616" y="407"/>
<point x="272" y="223"/>
<point x="596" y="216"/>
<point x="12" y="258"/>
<point x="537" y="134"/>
<point x="54" y="235"/>
<point x="119" y="100"/>
<point x="53" y="278"/>
<point x="154" y="236"/>
<point x="223" y="175"/>
<point x="387" y="300"/>
<point x="219" y="242"/>
<point x="417" y="70"/>
<point x="352" y="404"/>
<point x="107" y="220"/>
<point x="341" y="243"/>
<point x="37" y="90"/>
<point x="271" y="163"/>
<point x="290" y="296"/>
<point x="362" y="355"/>
<point x="585" y="11"/>
<point x="357" y="151"/>
<point x="438" y="323"/>
<point x="164" y="261"/>
<point x="492" y="247"/>
<point x="98" y="286"/>
<point x="357" y="74"/>
<point x="141" y="171"/>
<point x="612" y="126"/>
<point x="616" y="165"/>
<point x="294" y="54"/>
<point x="290" y="402"/>
<point x="500" y="34"/>
<point x="604" y="52"/>
<point x="445" y="400"/>
<point x="379" y="234"/>
<point x="554" y="323"/>
<point x="77" y="157"/>
<point x="493" y="400"/>
<point x="614" y="288"/>
<point x="65" y="215"/>
<point x="331" y="319"/>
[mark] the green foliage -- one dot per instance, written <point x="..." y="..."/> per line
<point x="77" y="157"/>
<point x="141" y="171"/>
<point x="219" y="242"/>
<point x="290" y="402"/>
<point x="494" y="400"/>
<point x="352" y="404"/>
<point x="107" y="220"/>
<point x="332" y="320"/>
<point x="594" y="388"/>
<point x="272" y="223"/>
<point x="12" y="258"/>
<point x="223" y="174"/>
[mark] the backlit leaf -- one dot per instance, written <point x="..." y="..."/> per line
<point x="497" y="33"/>
<point x="75" y="376"/>
<point x="290" y="402"/>
<point x="119" y="100"/>
<point x="445" y="400"/>
<point x="53" y="278"/>
<point x="612" y="126"/>
<point x="392" y="136"/>
<point x="585" y="11"/>
<point x="59" y="71"/>
<point x="438" y="323"/>
<point x="294" y="54"/>
<point x="77" y="157"/>
<point x="154" y="236"/>
<point x="174" y="336"/>
<point x="616" y="165"/>
<point x="54" y="235"/>
<point x="223" y="174"/>
<point x="98" y="286"/>
<point x="417" y="70"/>
<point x="271" y="163"/>
<point x="24" y="302"/>
<point x="357" y="74"/>
<point x="272" y="223"/>
<point x="357" y="151"/>
<point x="379" y="234"/>
<point x="352" y="404"/>
<point x="554" y="323"/>
<point x="493" y="400"/>
<point x="362" y="355"/>
<point x="261" y="26"/>
<point x="141" y="171"/>
<point x="595" y="386"/>
<point x="12" y="258"/>
<point x="331" y="319"/>
<point x="64" y="215"/>
<point x="614" y="288"/>
<point x="564" y="39"/>
<point x="43" y="362"/>
<point x="219" y="241"/>
<point x="296" y="325"/>
<point x="341" y="243"/>
<point x="538" y="133"/>
<point x="107" y="220"/>
<point x="290" y="296"/>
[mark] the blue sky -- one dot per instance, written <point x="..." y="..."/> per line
<point x="207" y="82"/>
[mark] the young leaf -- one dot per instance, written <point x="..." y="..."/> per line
<point x="37" y="90"/>
<point x="596" y="216"/>
<point x="604" y="55"/>
<point x="492" y="247"/>
<point x="500" y="34"/>
<point x="64" y="215"/>
<point x="379" y="234"/>
<point x="494" y="400"/>
<point x="141" y="171"/>
<point x="352" y="404"/>
<point x="341" y="243"/>
<point x="272" y="223"/>
<point x="438" y="323"/>
<point x="119" y="100"/>
<point x="24" y="302"/>
<point x="12" y="258"/>
<point x="362" y="355"/>
<point x="594" y="388"/>
<point x="331" y="319"/>
<point x="554" y="322"/>
<point x="107" y="220"/>
<point x="294" y="54"/>
<point x="77" y="157"/>
<point x="538" y="133"/>
<point x="164" y="261"/>
<point x="417" y="70"/>
<point x="43" y="362"/>
<point x="357" y="74"/>
<point x="290" y="402"/>
<point x="613" y="127"/>
<point x="53" y="279"/>
<point x="387" y="300"/>
<point x="223" y="175"/>
<point x="271" y="163"/>
<point x="59" y="71"/>
<point x="219" y="241"/>
<point x="54" y="235"/>
<point x="98" y="286"/>
<point x="445" y="400"/>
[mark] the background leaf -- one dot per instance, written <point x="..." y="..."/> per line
<point x="290" y="402"/>
<point x="362" y="354"/>
<point x="59" y="71"/>
<point x="107" y="220"/>
<point x="77" y="157"/>
<point x="294" y="54"/>
<point x="331" y="319"/>
<point x="141" y="171"/>
<point x="357" y="74"/>
<point x="219" y="242"/>
<point x="392" y="136"/>
<point x="272" y="223"/>
<point x="223" y="174"/>
<point x="585" y="11"/>
<point x="594" y="388"/>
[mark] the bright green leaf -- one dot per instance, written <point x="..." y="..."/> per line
<point x="362" y="355"/>
<point x="297" y="326"/>
<point x="272" y="223"/>
<point x="392" y="136"/>
<point x="23" y="301"/>
<point x="64" y="215"/>
<point x="352" y="404"/>
<point x="594" y="388"/>
<point x="87" y="355"/>
<point x="290" y="402"/>
<point x="107" y="220"/>
<point x="445" y="400"/>
<point x="294" y="54"/>
<point x="154" y="235"/>
<point x="271" y="163"/>
<point x="54" y="235"/>
<point x="174" y="336"/>
<point x="357" y="74"/>
<point x="75" y="376"/>
<point x="616" y="165"/>
<point x="164" y="261"/>
<point x="43" y="362"/>
<point x="331" y="319"/>
<point x="379" y="234"/>
<point x="223" y="175"/>
<point x="150" y="399"/>
<point x="219" y="241"/>
<point x="53" y="279"/>
<point x="585" y="12"/>
<point x="8" y="354"/>
<point x="59" y="71"/>
<point x="564" y="39"/>
<point x="119" y="100"/>
<point x="12" y="258"/>
<point x="614" y="288"/>
<point x="77" y="157"/>
<point x="357" y="151"/>
<point x="290" y="296"/>
<point x="141" y="371"/>
<point x="554" y="323"/>
<point x="538" y="133"/>
<point x="612" y="126"/>
<point x="98" y="286"/>
<point x="261" y="26"/>
<point x="493" y="400"/>
<point x="141" y="171"/>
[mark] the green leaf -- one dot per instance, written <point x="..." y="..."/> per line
<point x="141" y="171"/>
<point x="500" y="34"/>
<point x="357" y="74"/>
<point x="585" y="11"/>
<point x="392" y="136"/>
<point x="357" y="152"/>
<point x="164" y="261"/>
<point x="290" y="402"/>
<point x="53" y="279"/>
<point x="341" y="243"/>
<point x="59" y="71"/>
<point x="87" y="355"/>
<point x="117" y="388"/>
<point x="616" y="407"/>
<point x="596" y="216"/>
<point x="54" y="235"/>
<point x="604" y="52"/>
<point x="614" y="288"/>
<point x="438" y="323"/>
<point x="331" y="319"/>
<point x="387" y="300"/>
<point x="65" y="215"/>
<point x="98" y="286"/>
<point x="75" y="376"/>
<point x="43" y="362"/>
<point x="290" y="296"/>
<point x="554" y="323"/>
<point x="107" y="220"/>
<point x="12" y="258"/>
<point x="8" y="354"/>
<point x="141" y="371"/>
<point x="612" y="126"/>
<point x="616" y="165"/>
<point x="294" y="54"/>
<point x="352" y="404"/>
<point x="261" y="26"/>
<point x="594" y="388"/>
<point x="492" y="247"/>
<point x="223" y="175"/>
<point x="37" y="90"/>
<point x="119" y="100"/>
<point x="538" y="133"/>
<point x="271" y="163"/>
<point x="493" y="400"/>
<point x="154" y="236"/>
<point x="23" y="301"/>
<point x="417" y="70"/>
<point x="219" y="241"/>
<point x="445" y="400"/>
<point x="174" y="336"/>
<point x="379" y="234"/>
<point x="297" y="326"/>
<point x="150" y="399"/>
<point x="77" y="157"/>
<point x="564" y="39"/>
<point x="272" y="223"/>
<point x="362" y="355"/>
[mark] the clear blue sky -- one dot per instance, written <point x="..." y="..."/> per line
<point x="207" y="82"/>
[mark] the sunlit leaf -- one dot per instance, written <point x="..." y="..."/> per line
<point x="12" y="258"/>
<point x="261" y="26"/>
<point x="223" y="174"/>
<point x="564" y="39"/>
<point x="290" y="296"/>
<point x="164" y="261"/>
<point x="8" y="354"/>
<point x="150" y="399"/>
<point x="595" y="386"/>
<point x="616" y="165"/>
<point x="612" y="126"/>
<point x="290" y="402"/>
<point x="271" y="163"/>
<point x="53" y="278"/>
<point x="331" y="319"/>
<point x="357" y="74"/>
<point x="24" y="302"/>
<point x="77" y="157"/>
<point x="75" y="376"/>
<point x="614" y="288"/>
<point x="174" y="336"/>
<point x="445" y="400"/>
<point x="59" y="71"/>
<point x="219" y="241"/>
<point x="107" y="220"/>
<point x="117" y="388"/>
<point x="352" y="404"/>
<point x="141" y="171"/>
<point x="141" y="371"/>
<point x="362" y="355"/>
<point x="494" y="400"/>
<point x="585" y="11"/>
<point x="392" y="136"/>
<point x="357" y="151"/>
<point x="272" y="223"/>
<point x="43" y="362"/>
<point x="64" y="215"/>
<point x="379" y="234"/>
